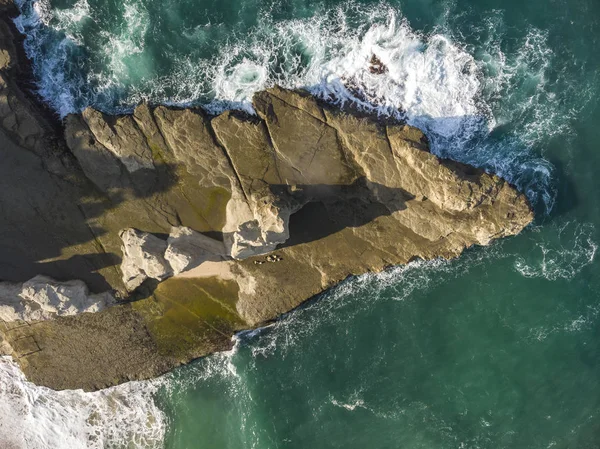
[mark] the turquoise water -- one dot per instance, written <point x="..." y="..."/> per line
<point x="498" y="349"/>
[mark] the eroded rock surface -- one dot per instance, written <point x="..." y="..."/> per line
<point x="206" y="225"/>
<point x="43" y="298"/>
<point x="187" y="249"/>
<point x="145" y="256"/>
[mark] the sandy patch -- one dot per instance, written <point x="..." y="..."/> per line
<point x="221" y="269"/>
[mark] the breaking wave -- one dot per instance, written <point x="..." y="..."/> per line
<point x="457" y="94"/>
<point x="36" y="417"/>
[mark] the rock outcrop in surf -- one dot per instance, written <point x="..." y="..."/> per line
<point x="201" y="226"/>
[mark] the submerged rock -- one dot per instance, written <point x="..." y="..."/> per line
<point x="376" y="67"/>
<point x="197" y="204"/>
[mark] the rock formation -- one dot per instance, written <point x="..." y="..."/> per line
<point x="146" y="256"/>
<point x="202" y="226"/>
<point x="43" y="298"/>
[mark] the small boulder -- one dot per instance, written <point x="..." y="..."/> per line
<point x="187" y="248"/>
<point x="143" y="258"/>
<point x="43" y="298"/>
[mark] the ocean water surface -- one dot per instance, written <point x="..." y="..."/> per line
<point x="497" y="349"/>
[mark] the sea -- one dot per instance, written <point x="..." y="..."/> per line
<point x="497" y="349"/>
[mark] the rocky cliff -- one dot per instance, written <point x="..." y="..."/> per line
<point x="188" y="227"/>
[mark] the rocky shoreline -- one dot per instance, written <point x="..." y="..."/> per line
<point x="179" y="229"/>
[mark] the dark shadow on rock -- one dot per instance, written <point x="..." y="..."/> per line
<point x="45" y="214"/>
<point x="90" y="263"/>
<point x="144" y="291"/>
<point x="329" y="209"/>
<point x="326" y="210"/>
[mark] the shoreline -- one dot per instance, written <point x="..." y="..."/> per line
<point x="159" y="191"/>
<point x="24" y="67"/>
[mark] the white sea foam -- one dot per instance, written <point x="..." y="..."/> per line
<point x="350" y="406"/>
<point x="395" y="284"/>
<point x="217" y="366"/>
<point x="55" y="85"/>
<point x="560" y="254"/>
<point x="429" y="77"/>
<point x="34" y="417"/>
<point x="458" y="97"/>
<point x="68" y="20"/>
<point x="128" y="40"/>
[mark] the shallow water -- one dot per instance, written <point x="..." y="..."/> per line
<point x="498" y="349"/>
